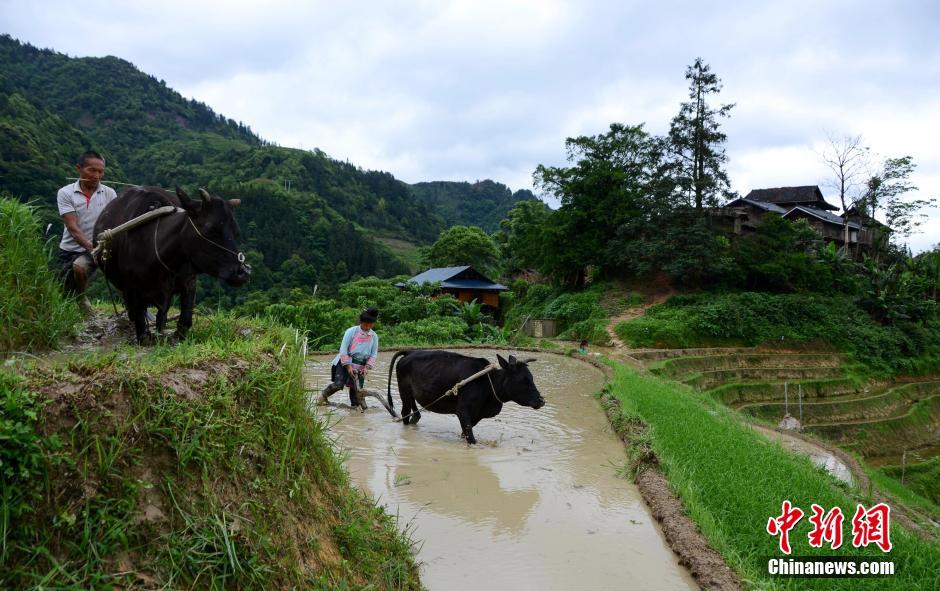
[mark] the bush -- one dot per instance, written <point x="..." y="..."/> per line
<point x="568" y="307"/>
<point x="428" y="331"/>
<point x="34" y="311"/>
<point x="413" y="302"/>
<point x="592" y="330"/>
<point x="323" y="320"/>
<point x="750" y="318"/>
<point x="571" y="308"/>
<point x="22" y="455"/>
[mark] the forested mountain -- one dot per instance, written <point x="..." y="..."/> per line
<point x="483" y="203"/>
<point x="307" y="218"/>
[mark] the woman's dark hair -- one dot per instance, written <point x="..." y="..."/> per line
<point x="369" y="315"/>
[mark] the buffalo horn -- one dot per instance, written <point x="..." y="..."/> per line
<point x="528" y="360"/>
<point x="204" y="194"/>
<point x="235" y="202"/>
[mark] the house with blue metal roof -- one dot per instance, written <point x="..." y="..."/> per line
<point x="464" y="283"/>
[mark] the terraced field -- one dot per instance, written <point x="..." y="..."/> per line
<point x="882" y="422"/>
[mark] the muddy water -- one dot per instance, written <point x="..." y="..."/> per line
<point x="818" y="455"/>
<point x="536" y="504"/>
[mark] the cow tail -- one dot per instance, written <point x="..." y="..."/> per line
<point x="391" y="366"/>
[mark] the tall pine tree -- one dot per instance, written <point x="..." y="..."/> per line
<point x="696" y="141"/>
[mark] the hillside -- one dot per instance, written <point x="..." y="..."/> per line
<point x="307" y="219"/>
<point x="483" y="203"/>
<point x="158" y="137"/>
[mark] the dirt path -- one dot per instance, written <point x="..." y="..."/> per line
<point x="630" y="314"/>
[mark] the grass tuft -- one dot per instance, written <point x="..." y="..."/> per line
<point x="34" y="312"/>
<point x="195" y="466"/>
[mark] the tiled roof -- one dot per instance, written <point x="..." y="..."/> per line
<point x="788" y="196"/>
<point x="826" y="216"/>
<point x="766" y="206"/>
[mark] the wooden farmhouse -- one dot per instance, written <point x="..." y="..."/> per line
<point x="464" y="283"/>
<point x="745" y="214"/>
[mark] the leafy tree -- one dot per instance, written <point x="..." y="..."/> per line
<point x="522" y="240"/>
<point x="611" y="179"/>
<point x="928" y="267"/>
<point x="696" y="142"/>
<point x="776" y="257"/>
<point x="885" y="192"/>
<point x="680" y="243"/>
<point x="893" y="293"/>
<point x="464" y="245"/>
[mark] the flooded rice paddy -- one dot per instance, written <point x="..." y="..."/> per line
<point x="537" y="504"/>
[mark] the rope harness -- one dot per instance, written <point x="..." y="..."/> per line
<point x="100" y="253"/>
<point x="238" y="255"/>
<point x="104" y="238"/>
<point x="455" y="391"/>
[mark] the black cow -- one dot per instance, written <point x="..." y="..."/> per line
<point x="154" y="261"/>
<point x="424" y="377"/>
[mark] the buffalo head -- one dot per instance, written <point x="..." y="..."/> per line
<point x="517" y="383"/>
<point x="213" y="246"/>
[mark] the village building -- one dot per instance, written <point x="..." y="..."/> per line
<point x="745" y="214"/>
<point x="464" y="283"/>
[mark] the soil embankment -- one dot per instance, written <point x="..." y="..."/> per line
<point x="191" y="466"/>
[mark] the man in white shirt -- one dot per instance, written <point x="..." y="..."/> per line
<point x="80" y="204"/>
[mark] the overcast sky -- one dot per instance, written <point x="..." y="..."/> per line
<point x="481" y="89"/>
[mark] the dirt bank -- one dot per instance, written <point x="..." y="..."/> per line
<point x="192" y="466"/>
<point x="694" y="551"/>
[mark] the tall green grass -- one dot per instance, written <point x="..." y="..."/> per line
<point x="732" y="481"/>
<point x="34" y="312"/>
<point x="218" y="434"/>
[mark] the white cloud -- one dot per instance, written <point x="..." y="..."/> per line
<point x="469" y="90"/>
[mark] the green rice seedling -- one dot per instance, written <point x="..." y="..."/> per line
<point x="34" y="312"/>
<point x="732" y="481"/>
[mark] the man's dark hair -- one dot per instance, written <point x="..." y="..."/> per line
<point x="89" y="155"/>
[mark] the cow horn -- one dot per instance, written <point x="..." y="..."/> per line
<point x="204" y="194"/>
<point x="235" y="202"/>
<point x="186" y="202"/>
<point x="528" y="360"/>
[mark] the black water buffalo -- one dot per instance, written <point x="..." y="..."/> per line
<point x="424" y="377"/>
<point x="152" y="262"/>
